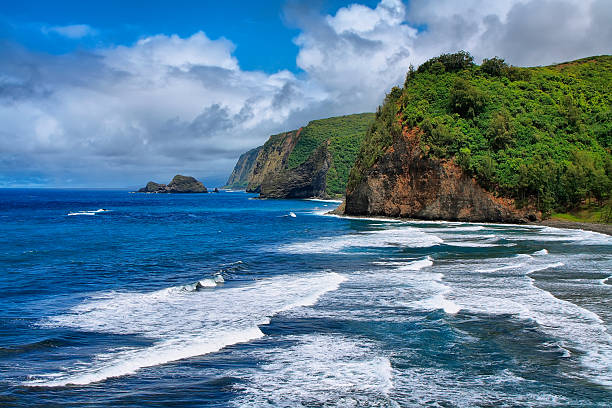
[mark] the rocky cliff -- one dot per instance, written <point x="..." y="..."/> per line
<point x="490" y="143"/>
<point x="272" y="157"/>
<point x="405" y="183"/>
<point x="306" y="180"/>
<point x="239" y="179"/>
<point x="179" y="184"/>
<point x="323" y="152"/>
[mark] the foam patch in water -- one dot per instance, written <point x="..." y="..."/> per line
<point x="319" y="370"/>
<point x="394" y="237"/>
<point x="184" y="324"/>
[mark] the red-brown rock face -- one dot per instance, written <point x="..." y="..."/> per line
<point x="403" y="183"/>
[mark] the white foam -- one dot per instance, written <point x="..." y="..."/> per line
<point x="512" y="291"/>
<point x="572" y="236"/>
<point x="417" y="265"/>
<point x="541" y="252"/>
<point x="318" y="370"/>
<point x="86" y="212"/>
<point x="410" y="265"/>
<point x="320" y="200"/>
<point x="183" y="324"/>
<point x="207" y="283"/>
<point x="539" y="268"/>
<point x="393" y="237"/>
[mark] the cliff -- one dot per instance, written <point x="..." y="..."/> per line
<point x="296" y="157"/>
<point x="239" y="179"/>
<point x="179" y="184"/>
<point x="405" y="183"/>
<point x="306" y="180"/>
<point x="488" y="143"/>
<point x="272" y="157"/>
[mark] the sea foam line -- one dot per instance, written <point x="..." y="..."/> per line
<point x="184" y="323"/>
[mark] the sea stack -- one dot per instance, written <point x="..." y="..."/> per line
<point x="179" y="184"/>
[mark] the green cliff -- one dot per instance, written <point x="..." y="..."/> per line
<point x="239" y="179"/>
<point x="311" y="161"/>
<point x="489" y="142"/>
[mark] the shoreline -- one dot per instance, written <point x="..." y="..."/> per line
<point x="554" y="223"/>
<point x="588" y="226"/>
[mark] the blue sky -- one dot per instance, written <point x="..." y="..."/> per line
<point x="248" y="24"/>
<point x="114" y="94"/>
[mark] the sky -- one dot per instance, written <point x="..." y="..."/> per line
<point x="114" y="94"/>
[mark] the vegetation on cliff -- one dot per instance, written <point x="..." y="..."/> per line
<point x="539" y="135"/>
<point x="283" y="156"/>
<point x="345" y="135"/>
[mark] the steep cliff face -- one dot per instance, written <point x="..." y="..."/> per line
<point x="306" y="180"/>
<point x="244" y="168"/>
<point x="405" y="183"/>
<point x="271" y="158"/>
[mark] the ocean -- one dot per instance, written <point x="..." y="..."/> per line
<point x="223" y="300"/>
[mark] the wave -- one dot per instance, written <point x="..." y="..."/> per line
<point x="406" y="237"/>
<point x="570" y="236"/>
<point x="87" y="212"/>
<point x="318" y="370"/>
<point x="182" y="323"/>
<point x="320" y="200"/>
<point x="544" y="267"/>
<point x="513" y="291"/>
<point x="412" y="265"/>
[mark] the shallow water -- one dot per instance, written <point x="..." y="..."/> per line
<point x="222" y="300"/>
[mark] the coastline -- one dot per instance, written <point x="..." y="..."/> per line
<point x="587" y="226"/>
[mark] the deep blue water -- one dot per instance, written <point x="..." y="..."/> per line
<point x="102" y="309"/>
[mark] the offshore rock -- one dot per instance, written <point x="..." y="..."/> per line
<point x="404" y="183"/>
<point x="179" y="184"/>
<point x="305" y="181"/>
<point x="153" y="187"/>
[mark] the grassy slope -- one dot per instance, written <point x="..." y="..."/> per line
<point x="345" y="134"/>
<point x="536" y="134"/>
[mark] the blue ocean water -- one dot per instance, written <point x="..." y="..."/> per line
<point x="226" y="301"/>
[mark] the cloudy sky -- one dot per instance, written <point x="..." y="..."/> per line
<point x="109" y="95"/>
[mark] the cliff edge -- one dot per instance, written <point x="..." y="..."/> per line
<point x="404" y="183"/>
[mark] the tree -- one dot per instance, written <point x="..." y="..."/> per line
<point x="494" y="66"/>
<point x="500" y="130"/>
<point x="450" y="62"/>
<point x="466" y="99"/>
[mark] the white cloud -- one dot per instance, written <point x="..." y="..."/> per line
<point x="123" y="115"/>
<point x="73" y="31"/>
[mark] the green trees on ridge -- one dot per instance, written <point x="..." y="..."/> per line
<point x="540" y="135"/>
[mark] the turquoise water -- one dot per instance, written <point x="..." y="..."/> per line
<point x="222" y="300"/>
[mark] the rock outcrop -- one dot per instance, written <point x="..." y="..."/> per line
<point x="239" y="179"/>
<point x="404" y="183"/>
<point x="153" y="187"/>
<point x="272" y="158"/>
<point x="179" y="184"/>
<point x="305" y="181"/>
